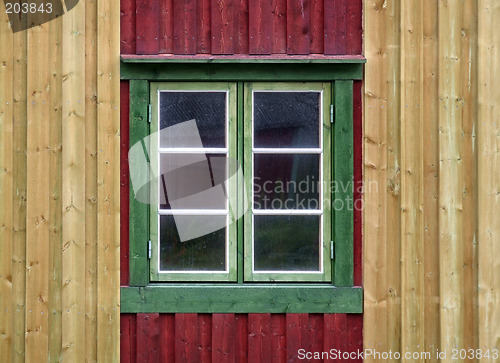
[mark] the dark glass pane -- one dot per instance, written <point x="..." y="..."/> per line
<point x="207" y="108"/>
<point x="286" y="243"/>
<point x="286" y="119"/>
<point x="205" y="252"/>
<point x="192" y="181"/>
<point x="287" y="181"/>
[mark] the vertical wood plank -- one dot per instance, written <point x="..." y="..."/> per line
<point x="279" y="37"/>
<point x="298" y="32"/>
<point x="205" y="347"/>
<point x="316" y="25"/>
<point x="381" y="247"/>
<point x="488" y="181"/>
<point x="167" y="338"/>
<point x="278" y="343"/>
<point x="259" y="338"/>
<point x="297" y="334"/>
<point x="241" y="344"/>
<point x="38" y="191"/>
<point x="91" y="180"/>
<point x="451" y="174"/>
<point x="222" y="26"/>
<point x="354" y="27"/>
<point x="148" y="26"/>
<point x="56" y="192"/>
<point x="260" y="27"/>
<point x="185" y="26"/>
<point x="223" y="333"/>
<point x="187" y="338"/>
<point x="334" y="326"/>
<point x="430" y="112"/>
<point x="336" y="26"/>
<point x="73" y="185"/>
<point x="7" y="182"/>
<point x="316" y="331"/>
<point x="20" y="173"/>
<point x="343" y="172"/>
<point x="127" y="27"/>
<point x="108" y="179"/>
<point x="203" y="28"/>
<point x="358" y="183"/>
<point x="124" y="182"/>
<point x="125" y="338"/>
<point x="469" y="87"/>
<point x="412" y="177"/>
<point x="167" y="27"/>
<point x="138" y="212"/>
<point x="354" y="334"/>
<point x="241" y="28"/>
<point x="148" y="338"/>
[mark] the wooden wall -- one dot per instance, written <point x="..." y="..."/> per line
<point x="59" y="187"/>
<point x="238" y="27"/>
<point x="431" y="143"/>
<point x="257" y="27"/>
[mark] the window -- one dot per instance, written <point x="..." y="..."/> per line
<point x="239" y="181"/>
<point x="287" y="228"/>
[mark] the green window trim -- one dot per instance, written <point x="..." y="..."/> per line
<point x="338" y="296"/>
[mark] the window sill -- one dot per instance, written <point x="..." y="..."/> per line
<point x="249" y="298"/>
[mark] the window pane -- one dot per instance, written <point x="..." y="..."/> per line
<point x="286" y="243"/>
<point x="207" y="108"/>
<point x="286" y="119"/>
<point x="286" y="181"/>
<point x="192" y="181"/>
<point x="205" y="252"/>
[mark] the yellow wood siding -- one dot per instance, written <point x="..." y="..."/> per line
<point x="59" y="187"/>
<point x="432" y="140"/>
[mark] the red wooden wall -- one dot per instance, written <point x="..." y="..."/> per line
<point x="243" y="27"/>
<point x="257" y="27"/>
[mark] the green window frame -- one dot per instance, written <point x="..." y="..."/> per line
<point x="243" y="291"/>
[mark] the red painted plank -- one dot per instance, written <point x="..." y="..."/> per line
<point x="127" y="26"/>
<point x="125" y="339"/>
<point x="241" y="340"/>
<point x="148" y="26"/>
<point x="167" y="27"/>
<point x="241" y="26"/>
<point x="354" y="41"/>
<point x="355" y="334"/>
<point x="205" y="324"/>
<point x="148" y="338"/>
<point x="223" y="334"/>
<point x="278" y="332"/>
<point x="124" y="183"/>
<point x="297" y="335"/>
<point x="315" y="334"/>
<point x="167" y="338"/>
<point x="259" y="338"/>
<point x="358" y="180"/>
<point x="222" y="27"/>
<point x="185" y="26"/>
<point x="297" y="18"/>
<point x="335" y="333"/>
<point x="203" y="29"/>
<point x="279" y="26"/>
<point x="260" y="27"/>
<point x="335" y="26"/>
<point x="186" y="338"/>
<point x="317" y="31"/>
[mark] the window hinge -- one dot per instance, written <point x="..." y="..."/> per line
<point x="331" y="113"/>
<point x="332" y="251"/>
<point x="149" y="113"/>
<point x="150" y="249"/>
